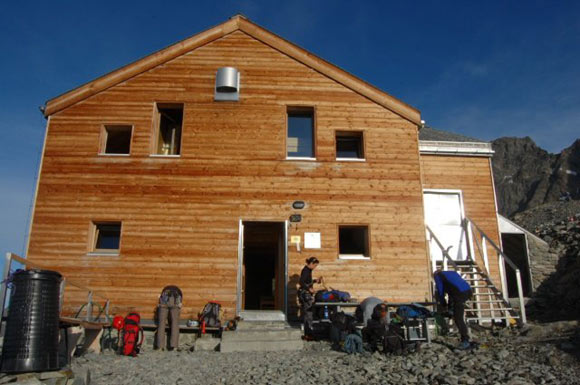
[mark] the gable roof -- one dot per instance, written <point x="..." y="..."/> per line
<point x="430" y="133"/>
<point x="439" y="142"/>
<point x="235" y="23"/>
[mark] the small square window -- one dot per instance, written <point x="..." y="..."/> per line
<point x="169" y="121"/>
<point x="106" y="237"/>
<point x="300" y="140"/>
<point x="353" y="242"/>
<point x="349" y="145"/>
<point x="116" y="139"/>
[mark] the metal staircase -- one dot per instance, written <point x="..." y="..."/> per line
<point x="488" y="304"/>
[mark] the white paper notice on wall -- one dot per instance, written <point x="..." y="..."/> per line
<point x="312" y="240"/>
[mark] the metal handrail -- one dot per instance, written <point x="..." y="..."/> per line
<point x="501" y="258"/>
<point x="444" y="251"/>
<point x="10" y="257"/>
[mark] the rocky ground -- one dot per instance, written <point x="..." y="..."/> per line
<point x="535" y="355"/>
<point x="541" y="218"/>
<point x="558" y="295"/>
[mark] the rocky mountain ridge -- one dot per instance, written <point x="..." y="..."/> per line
<point x="526" y="176"/>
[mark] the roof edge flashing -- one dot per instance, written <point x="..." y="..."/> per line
<point x="455" y="148"/>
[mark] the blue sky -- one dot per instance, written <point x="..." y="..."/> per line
<point x="488" y="69"/>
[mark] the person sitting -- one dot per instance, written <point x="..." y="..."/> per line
<point x="459" y="292"/>
<point x="306" y="295"/>
<point x="376" y="327"/>
<point x="170" y="302"/>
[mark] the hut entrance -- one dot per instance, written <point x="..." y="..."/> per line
<point x="263" y="268"/>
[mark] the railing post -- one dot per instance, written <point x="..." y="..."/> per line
<point x="61" y="295"/>
<point x="502" y="276"/>
<point x="521" y="296"/>
<point x="107" y="311"/>
<point x="90" y="307"/>
<point x="4" y="286"/>
<point x="472" y="240"/>
<point x="484" y="251"/>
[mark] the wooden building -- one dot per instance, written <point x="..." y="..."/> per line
<point x="219" y="164"/>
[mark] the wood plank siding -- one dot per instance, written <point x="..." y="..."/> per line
<point x="472" y="175"/>
<point x="180" y="215"/>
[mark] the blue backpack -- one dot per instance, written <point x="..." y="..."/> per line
<point x="332" y="296"/>
<point x="414" y="311"/>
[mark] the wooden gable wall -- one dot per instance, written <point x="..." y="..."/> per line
<point x="180" y="215"/>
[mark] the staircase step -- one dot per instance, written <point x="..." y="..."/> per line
<point x="489" y="310"/>
<point x="262" y="335"/>
<point x="491" y="319"/>
<point x="491" y="301"/>
<point x="262" y="315"/>
<point x="261" y="346"/>
<point x="262" y="325"/>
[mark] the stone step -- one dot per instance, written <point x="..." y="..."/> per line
<point x="262" y="335"/>
<point x="263" y="315"/>
<point x="261" y="346"/>
<point x="262" y="325"/>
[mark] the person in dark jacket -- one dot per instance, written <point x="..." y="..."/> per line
<point x="459" y="291"/>
<point x="306" y="295"/>
<point x="376" y="327"/>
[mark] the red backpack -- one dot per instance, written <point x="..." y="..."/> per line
<point x="132" y="336"/>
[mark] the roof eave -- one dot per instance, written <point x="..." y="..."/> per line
<point x="432" y="147"/>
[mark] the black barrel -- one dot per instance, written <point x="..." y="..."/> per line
<point x="31" y="338"/>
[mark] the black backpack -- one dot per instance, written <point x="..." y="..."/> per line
<point x="394" y="342"/>
<point x="343" y="322"/>
<point x="374" y="333"/>
<point x="210" y="315"/>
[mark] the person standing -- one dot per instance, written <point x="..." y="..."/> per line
<point x="459" y="292"/>
<point x="169" y="304"/>
<point x="306" y="295"/>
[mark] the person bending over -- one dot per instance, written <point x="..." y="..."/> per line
<point x="459" y="292"/>
<point x="169" y="302"/>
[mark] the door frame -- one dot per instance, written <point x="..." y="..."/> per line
<point x="240" y="283"/>
<point x="466" y="234"/>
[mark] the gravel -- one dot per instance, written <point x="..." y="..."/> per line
<point x="537" y="354"/>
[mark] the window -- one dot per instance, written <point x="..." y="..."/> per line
<point x="169" y="121"/>
<point x="349" y="145"/>
<point x="353" y="242"/>
<point x="106" y="237"/>
<point x="116" y="139"/>
<point x="300" y="140"/>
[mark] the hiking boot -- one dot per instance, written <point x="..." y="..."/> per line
<point x="307" y="338"/>
<point x="464" y="345"/>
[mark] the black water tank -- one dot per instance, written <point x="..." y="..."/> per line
<point x="31" y="338"/>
